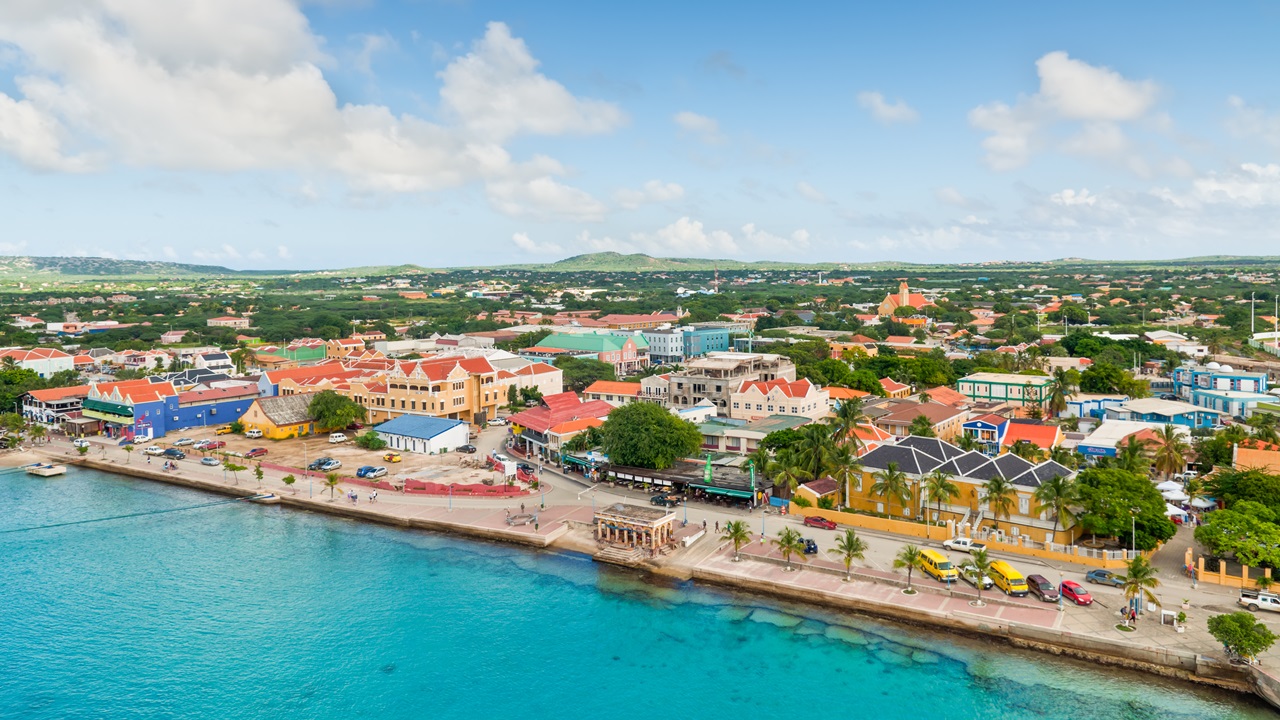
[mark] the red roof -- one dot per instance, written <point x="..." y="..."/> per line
<point x="947" y="396"/>
<point x="559" y="408"/>
<point x="609" y="387"/>
<point x="333" y="369"/>
<point x="793" y="389"/>
<point x="53" y="394"/>
<point x="574" y="426"/>
<point x="892" y="386"/>
<point x="214" y="394"/>
<point x="1045" y="437"/>
<point x="21" y="354"/>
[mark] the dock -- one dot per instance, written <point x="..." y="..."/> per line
<point x="44" y="470"/>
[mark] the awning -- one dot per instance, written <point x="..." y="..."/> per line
<point x="1169" y="485"/>
<point x="1203" y="503"/>
<point x="571" y="460"/>
<point x="1170" y="510"/>
<point x="1175" y="496"/>
<point x="108" y="408"/>
<point x="712" y="490"/>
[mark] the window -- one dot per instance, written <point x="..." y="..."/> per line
<point x="1024" y="505"/>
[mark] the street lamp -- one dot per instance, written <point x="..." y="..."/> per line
<point x="1059" y="591"/>
<point x="1133" y="522"/>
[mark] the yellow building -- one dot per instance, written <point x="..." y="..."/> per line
<point x="457" y="388"/>
<point x="280" y="417"/>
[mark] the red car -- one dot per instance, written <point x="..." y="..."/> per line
<point x="214" y="445"/>
<point x="1072" y="591"/>
<point x="256" y="452"/>
<point x="819" y="522"/>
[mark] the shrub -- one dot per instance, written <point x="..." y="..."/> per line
<point x="369" y="440"/>
<point x="801" y="501"/>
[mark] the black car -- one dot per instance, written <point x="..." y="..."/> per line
<point x="319" y="463"/>
<point x="1168" y="396"/>
<point x="1040" y="586"/>
<point x="664" y="500"/>
<point x="468" y="449"/>
<point x="810" y="547"/>
<point x="173" y="454"/>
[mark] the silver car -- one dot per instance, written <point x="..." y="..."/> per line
<point x="969" y="574"/>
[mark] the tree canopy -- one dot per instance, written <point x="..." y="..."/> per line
<point x="580" y="373"/>
<point x="647" y="435"/>
<point x="1241" y="634"/>
<point x="331" y="411"/>
<point x="1106" y="496"/>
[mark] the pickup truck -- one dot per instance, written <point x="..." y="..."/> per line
<point x="1256" y="600"/>
<point x="963" y="544"/>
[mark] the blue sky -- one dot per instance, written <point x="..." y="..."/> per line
<point x="279" y="134"/>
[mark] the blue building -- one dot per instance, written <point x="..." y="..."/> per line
<point x="670" y="346"/>
<point x="1087" y="405"/>
<point x="1164" y="412"/>
<point x="144" y="411"/>
<point x="1213" y="376"/>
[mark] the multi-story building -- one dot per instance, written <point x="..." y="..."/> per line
<point x="946" y="421"/>
<point x="671" y="346"/>
<point x="616" y="394"/>
<point x="1163" y="412"/>
<point x="627" y="354"/>
<point x="456" y="388"/>
<point x="229" y="322"/>
<point x="1006" y="387"/>
<point x="42" y="361"/>
<point x="620" y="321"/>
<point x="755" y="399"/>
<point x="718" y="375"/>
<point x="1221" y="388"/>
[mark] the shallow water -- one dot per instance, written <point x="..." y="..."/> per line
<point x="247" y="611"/>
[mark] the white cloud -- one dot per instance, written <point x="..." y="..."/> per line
<point x="887" y="113"/>
<point x="1251" y="186"/>
<point x="169" y="252"/>
<point x="948" y="195"/>
<point x="927" y="239"/>
<point x="525" y="244"/>
<point x="371" y="45"/>
<point x="1070" y="91"/>
<point x="1070" y="197"/>
<point x="1248" y="121"/>
<point x="544" y="198"/>
<point x="654" y="191"/>
<point x="777" y="246"/>
<point x="602" y="244"/>
<point x="706" y="129"/>
<point x="232" y="85"/>
<point x="686" y="238"/>
<point x="810" y="192"/>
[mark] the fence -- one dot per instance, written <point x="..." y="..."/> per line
<point x="1221" y="577"/>
<point x="871" y="522"/>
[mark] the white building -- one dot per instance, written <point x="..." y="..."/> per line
<point x="43" y="361"/>
<point x="423" y="434"/>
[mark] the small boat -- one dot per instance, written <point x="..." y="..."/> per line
<point x="266" y="498"/>
<point x="45" y="470"/>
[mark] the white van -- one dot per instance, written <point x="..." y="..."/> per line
<point x="335" y="438"/>
<point x="253" y="434"/>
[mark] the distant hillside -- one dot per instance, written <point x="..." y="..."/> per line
<point x="106" y="267"/>
<point x="617" y="262"/>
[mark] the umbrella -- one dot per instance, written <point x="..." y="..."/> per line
<point x="1175" y="496"/>
<point x="1169" y="485"/>
<point x="1203" y="503"/>
<point x="1171" y="510"/>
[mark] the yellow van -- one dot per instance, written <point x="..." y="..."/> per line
<point x="1008" y="579"/>
<point x="937" y="565"/>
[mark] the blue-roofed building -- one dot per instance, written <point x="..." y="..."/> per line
<point x="423" y="434"/>
<point x="1164" y="412"/>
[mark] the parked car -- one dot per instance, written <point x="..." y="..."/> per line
<point x="318" y="463"/>
<point x="969" y="574"/>
<point x="526" y="467"/>
<point x="153" y="450"/>
<point x="1168" y="396"/>
<point x="214" y="445"/>
<point x="469" y="449"/>
<point x="331" y="465"/>
<point x="80" y="442"/>
<point x="1071" y="590"/>
<point x="183" y="442"/>
<point x="1256" y="599"/>
<point x="1040" y="586"/>
<point x="174" y="454"/>
<point x="391" y="457"/>
<point x="1103" y="577"/>
<point x="497" y="422"/>
<point x="125" y="441"/>
<point x="356" y="426"/>
<point x="335" y="438"/>
<point x="224" y="430"/>
<point x="810" y="547"/>
<point x="819" y="522"/>
<point x="664" y="500"/>
<point x="963" y="544"/>
<point x="370" y="472"/>
<point x="211" y="462"/>
<point x="253" y="434"/>
<point x="256" y="453"/>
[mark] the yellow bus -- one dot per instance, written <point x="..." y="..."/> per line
<point x="1008" y="579"/>
<point x="937" y="565"/>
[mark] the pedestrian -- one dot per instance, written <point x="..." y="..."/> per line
<point x="704" y="523"/>
<point x="717" y="526"/>
<point x="508" y="512"/>
<point x="148" y="459"/>
<point x="521" y="507"/>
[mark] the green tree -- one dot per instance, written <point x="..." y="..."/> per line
<point x="1170" y="451"/>
<point x="647" y="435"/>
<point x="736" y="532"/>
<point x="128" y="452"/>
<point x="939" y="488"/>
<point x="258" y="474"/>
<point x="332" y="481"/>
<point x="1241" y="634"/>
<point x="370" y="440"/>
<point x="908" y="557"/>
<point x="1059" y="390"/>
<point x="234" y="470"/>
<point x="1132" y="456"/>
<point x="980" y="561"/>
<point x="779" y="439"/>
<point x="848" y="415"/>
<point x="922" y="426"/>
<point x="1057" y="495"/>
<point x="849" y="547"/>
<point x="788" y="471"/>
<point x="332" y="411"/>
<point x="816" y="450"/>
<point x="1139" y="580"/>
<point x="1106" y="497"/>
<point x="513" y="396"/>
<point x="891" y="484"/>
<point x="580" y="373"/>
<point x="1002" y="496"/>
<point x="288" y="481"/>
<point x="82" y="450"/>
<point x="789" y="542"/>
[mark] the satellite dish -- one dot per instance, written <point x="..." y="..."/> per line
<point x="1227" y="369"/>
<point x="1214" y="365"/>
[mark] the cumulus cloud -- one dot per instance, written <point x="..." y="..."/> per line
<point x="776" y="245"/>
<point x="231" y="85"/>
<point x="812" y="193"/>
<point x="544" y="198"/>
<point x="885" y="112"/>
<point x="1249" y="121"/>
<point x="1070" y="90"/>
<point x="1250" y="186"/>
<point x="654" y="191"/>
<point x="704" y="128"/>
<point x="525" y="244"/>
<point x="1071" y="197"/>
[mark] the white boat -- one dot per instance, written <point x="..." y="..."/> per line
<point x="44" y="470"/>
<point x="266" y="498"/>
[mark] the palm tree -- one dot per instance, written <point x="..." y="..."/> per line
<point x="762" y="460"/>
<point x="1234" y="434"/>
<point x="981" y="563"/>
<point x="736" y="532"/>
<point x="847" y="466"/>
<point x="332" y="481"/>
<point x="1001" y="495"/>
<point x="38" y="433"/>
<point x="938" y="488"/>
<point x="1140" y="580"/>
<point x="848" y="416"/>
<point x="921" y="426"/>
<point x="1026" y="450"/>
<point x="1131" y="455"/>
<point x="789" y="543"/>
<point x="1059" y="391"/>
<point x="1057" y="494"/>
<point x="908" y="557"/>
<point x="925" y="397"/>
<point x="966" y="442"/>
<point x="816" y="450"/>
<point x="128" y="452"/>
<point x="787" y="471"/>
<point x="849" y="547"/>
<point x="1063" y="457"/>
<point x="892" y="484"/>
<point x="1170" y="454"/>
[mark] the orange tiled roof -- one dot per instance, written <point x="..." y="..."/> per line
<point x="1045" y="437"/>
<point x="609" y="387"/>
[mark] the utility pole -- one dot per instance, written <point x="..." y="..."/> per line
<point x="1253" y="304"/>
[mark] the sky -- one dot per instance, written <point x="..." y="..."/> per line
<point x="304" y="134"/>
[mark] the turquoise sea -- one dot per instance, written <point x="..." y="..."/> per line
<point x="246" y="611"/>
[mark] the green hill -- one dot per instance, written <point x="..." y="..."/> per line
<point x="107" y="267"/>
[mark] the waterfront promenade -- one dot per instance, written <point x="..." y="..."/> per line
<point x="564" y="523"/>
